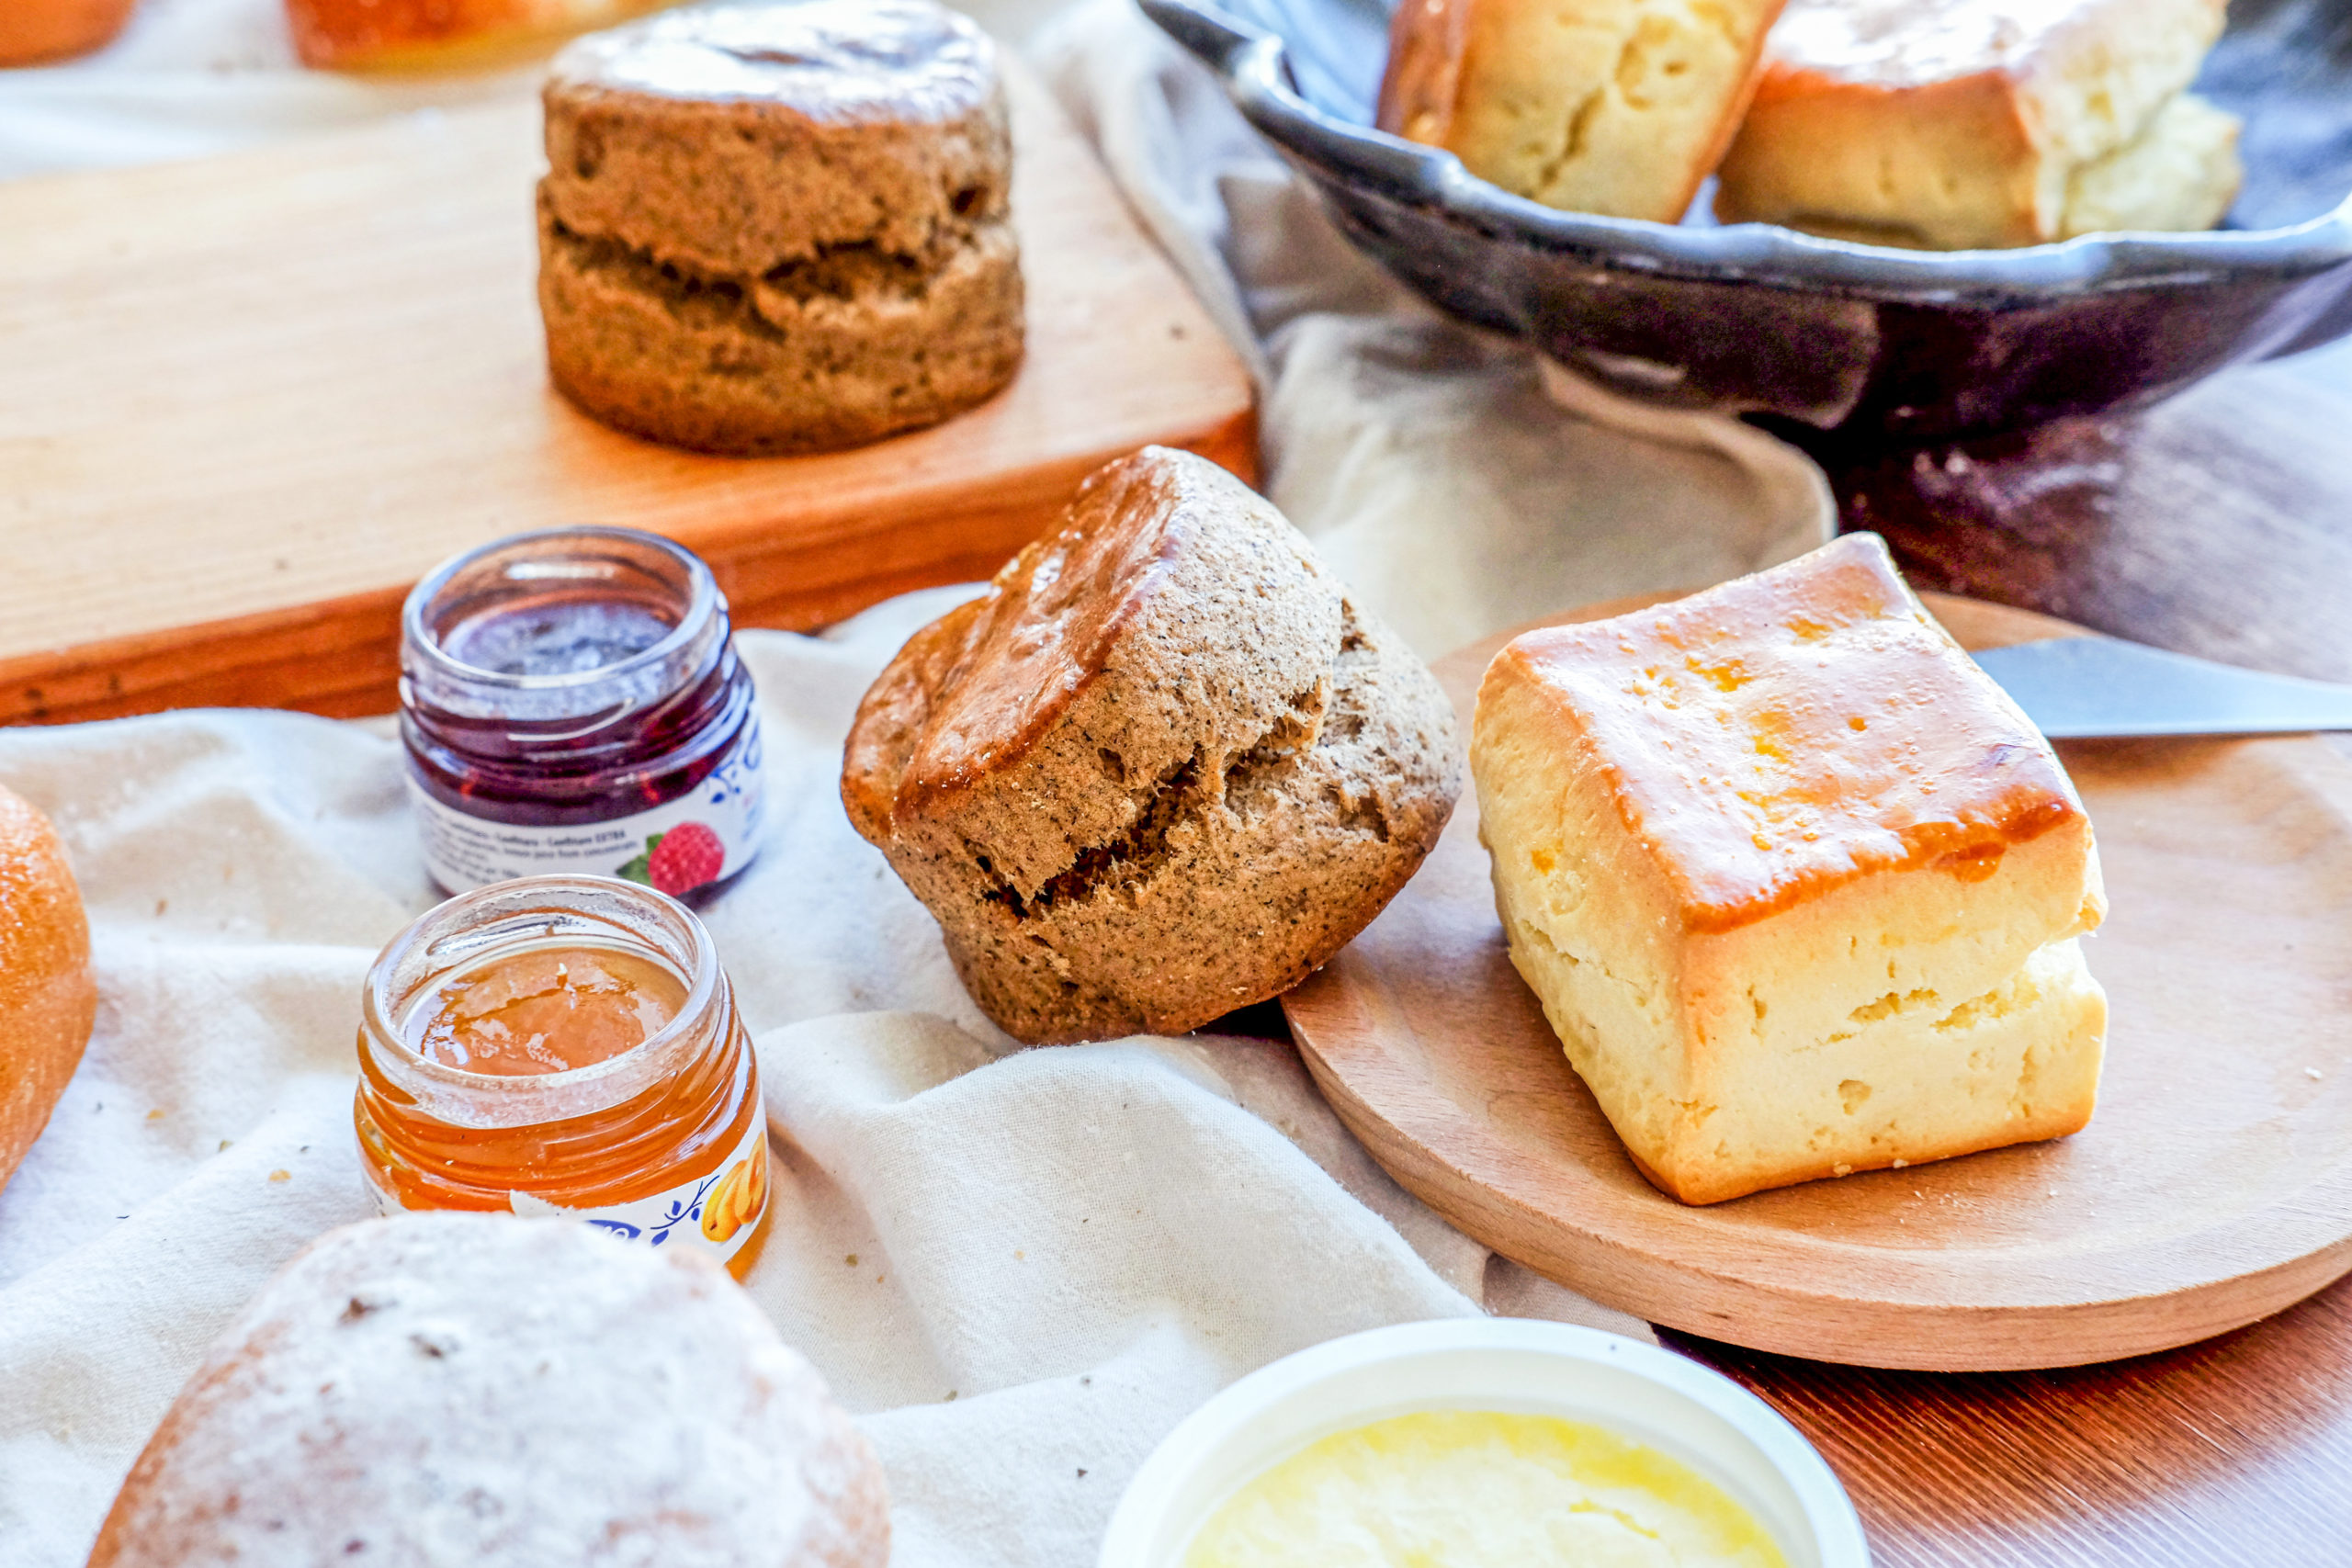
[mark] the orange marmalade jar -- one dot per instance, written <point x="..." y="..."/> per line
<point x="565" y="1045"/>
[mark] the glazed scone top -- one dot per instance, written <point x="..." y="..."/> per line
<point x="838" y="61"/>
<point x="1776" y="736"/>
<point x="1048" y="624"/>
<point x="974" y="691"/>
<point x="1910" y="43"/>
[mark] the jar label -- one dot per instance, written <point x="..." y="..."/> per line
<point x="706" y="834"/>
<point x="715" y="1213"/>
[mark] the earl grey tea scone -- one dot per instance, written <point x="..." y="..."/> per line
<point x="1162" y="768"/>
<point x="771" y="229"/>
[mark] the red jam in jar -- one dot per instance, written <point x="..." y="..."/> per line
<point x="565" y="1046"/>
<point x="571" y="703"/>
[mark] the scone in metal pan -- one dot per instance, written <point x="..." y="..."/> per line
<point x="1862" y="339"/>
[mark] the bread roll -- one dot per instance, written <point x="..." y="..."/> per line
<point x="35" y="32"/>
<point x="1797" y="885"/>
<point x="364" y="35"/>
<point x="47" y="998"/>
<point x="1615" y="106"/>
<point x="1981" y="124"/>
<point x="772" y="228"/>
<point x="1162" y="769"/>
<point x="445" y="1388"/>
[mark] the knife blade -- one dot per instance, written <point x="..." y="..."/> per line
<point x="2083" y="687"/>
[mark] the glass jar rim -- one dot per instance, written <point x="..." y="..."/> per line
<point x="443" y="923"/>
<point x="703" y="602"/>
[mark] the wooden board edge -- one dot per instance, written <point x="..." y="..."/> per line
<point x="1760" y="1317"/>
<point x="340" y="658"/>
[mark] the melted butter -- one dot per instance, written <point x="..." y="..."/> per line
<point x="1789" y="731"/>
<point x="1479" y="1489"/>
<point x="830" y="60"/>
<point x="551" y="1009"/>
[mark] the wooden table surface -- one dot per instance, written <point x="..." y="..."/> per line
<point x="2217" y="524"/>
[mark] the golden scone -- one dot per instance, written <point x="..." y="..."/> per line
<point x="475" y="1388"/>
<point x="770" y="228"/>
<point x="47" y="998"/>
<point x="1981" y="124"/>
<point x="1162" y="769"/>
<point x="2182" y="173"/>
<point x="36" y="32"/>
<point x="1797" y="885"/>
<point x="365" y="35"/>
<point x="1614" y="106"/>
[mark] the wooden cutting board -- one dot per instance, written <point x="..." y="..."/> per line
<point x="2213" y="1188"/>
<point x="246" y="402"/>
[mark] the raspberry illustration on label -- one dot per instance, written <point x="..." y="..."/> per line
<point x="679" y="861"/>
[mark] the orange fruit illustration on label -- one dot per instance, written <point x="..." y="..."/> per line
<point x="737" y="1199"/>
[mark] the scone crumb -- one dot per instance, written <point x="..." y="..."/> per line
<point x="1841" y="1171"/>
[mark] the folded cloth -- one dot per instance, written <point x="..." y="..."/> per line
<point x="1021" y="1267"/>
<point x="1456" y="480"/>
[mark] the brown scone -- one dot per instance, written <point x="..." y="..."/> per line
<point x="1160" y="770"/>
<point x="46" y="998"/>
<point x="773" y="229"/>
<point x="445" y="1388"/>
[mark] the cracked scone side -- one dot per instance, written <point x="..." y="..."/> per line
<point x="1614" y="106"/>
<point x="1163" y="769"/>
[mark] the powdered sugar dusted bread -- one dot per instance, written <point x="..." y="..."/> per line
<point x="1615" y="106"/>
<point x="1979" y="124"/>
<point x="779" y="228"/>
<point x="447" y="1388"/>
<point x="1798" y="886"/>
<point x="1163" y="768"/>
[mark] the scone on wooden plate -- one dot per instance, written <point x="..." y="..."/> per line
<point x="1798" y="886"/>
<point x="476" y="1388"/>
<point x="772" y="229"/>
<point x="1983" y="124"/>
<point x="1614" y="106"/>
<point x="1162" y="769"/>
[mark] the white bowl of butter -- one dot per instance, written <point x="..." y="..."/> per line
<point x="1485" y="1443"/>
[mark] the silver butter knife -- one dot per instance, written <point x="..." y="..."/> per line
<point x="2080" y="686"/>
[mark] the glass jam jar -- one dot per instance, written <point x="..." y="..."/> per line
<point x="570" y="702"/>
<point x="564" y="1045"/>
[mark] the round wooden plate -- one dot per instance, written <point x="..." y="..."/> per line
<point x="2213" y="1188"/>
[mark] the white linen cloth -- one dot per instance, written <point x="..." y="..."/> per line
<point x="1019" y="1267"/>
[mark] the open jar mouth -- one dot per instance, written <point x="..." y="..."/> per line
<point x="535" y="911"/>
<point x="615" y="563"/>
